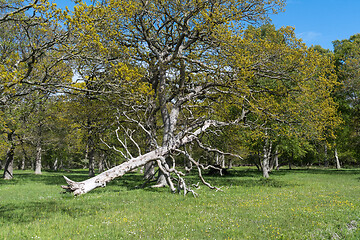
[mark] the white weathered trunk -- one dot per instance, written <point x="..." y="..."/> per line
<point x="100" y="180"/>
<point x="266" y="158"/>
<point x="169" y="119"/>
<point x="38" y="159"/>
<point x="220" y="160"/>
<point x="55" y="165"/>
<point x="338" y="166"/>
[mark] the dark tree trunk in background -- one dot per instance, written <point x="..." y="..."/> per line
<point x="8" y="169"/>
<point x="326" y="160"/>
<point x="102" y="162"/>
<point x="90" y="157"/>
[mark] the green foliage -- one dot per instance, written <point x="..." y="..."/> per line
<point x="319" y="204"/>
<point x="347" y="60"/>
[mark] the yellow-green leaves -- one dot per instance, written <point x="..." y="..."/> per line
<point x="287" y="86"/>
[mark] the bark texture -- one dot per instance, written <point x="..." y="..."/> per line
<point x="266" y="158"/>
<point x="338" y="166"/>
<point x="38" y="159"/>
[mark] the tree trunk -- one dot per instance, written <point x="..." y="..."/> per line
<point x="220" y="160"/>
<point x="169" y="116"/>
<point x="163" y="178"/>
<point x="230" y="164"/>
<point x="276" y="159"/>
<point x="38" y="158"/>
<point x="23" y="160"/>
<point x="8" y="169"/>
<point x="100" y="180"/>
<point x="326" y="161"/>
<point x="266" y="158"/>
<point x="90" y="155"/>
<point x="102" y="162"/>
<point x="55" y="165"/>
<point x="91" y="162"/>
<point x="338" y="166"/>
<point x="149" y="171"/>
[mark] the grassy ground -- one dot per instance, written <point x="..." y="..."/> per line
<point x="297" y="204"/>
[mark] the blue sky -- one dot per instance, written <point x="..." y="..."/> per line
<point x="317" y="22"/>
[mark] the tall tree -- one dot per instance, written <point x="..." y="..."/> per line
<point x="347" y="60"/>
<point x="181" y="61"/>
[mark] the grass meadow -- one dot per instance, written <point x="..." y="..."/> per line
<point x="292" y="204"/>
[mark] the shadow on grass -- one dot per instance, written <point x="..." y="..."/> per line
<point x="47" y="177"/>
<point x="327" y="171"/>
<point x="41" y="210"/>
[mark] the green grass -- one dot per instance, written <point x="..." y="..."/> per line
<point x="297" y="204"/>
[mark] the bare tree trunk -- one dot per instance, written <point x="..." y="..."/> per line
<point x="164" y="179"/>
<point x="230" y="163"/>
<point x="23" y="160"/>
<point x="220" y="160"/>
<point x="38" y="158"/>
<point x="8" y="169"/>
<point x="169" y="118"/>
<point x="100" y="180"/>
<point x="326" y="161"/>
<point x="276" y="159"/>
<point x="266" y="158"/>
<point x="90" y="155"/>
<point x="55" y="165"/>
<point x="338" y="166"/>
<point x="149" y="171"/>
<point x="91" y="162"/>
<point x="102" y="162"/>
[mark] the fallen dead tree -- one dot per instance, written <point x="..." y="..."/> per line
<point x="158" y="155"/>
